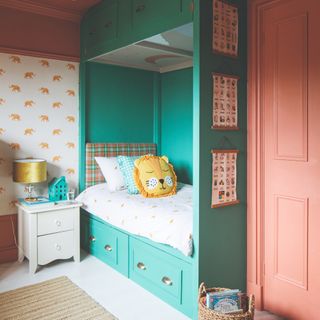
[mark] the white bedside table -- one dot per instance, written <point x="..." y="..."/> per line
<point x="47" y="233"/>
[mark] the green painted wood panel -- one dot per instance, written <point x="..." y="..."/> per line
<point x="176" y="121"/>
<point x="134" y="20"/>
<point x="119" y="104"/>
<point x="219" y="234"/>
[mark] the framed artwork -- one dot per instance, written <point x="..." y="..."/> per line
<point x="225" y="28"/>
<point x="224" y="178"/>
<point x="225" y="102"/>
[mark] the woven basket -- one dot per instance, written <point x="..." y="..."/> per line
<point x="208" y="314"/>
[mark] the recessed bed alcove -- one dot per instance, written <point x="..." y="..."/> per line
<point x="143" y="93"/>
<point x="146" y="85"/>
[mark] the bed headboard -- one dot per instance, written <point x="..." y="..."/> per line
<point x="93" y="173"/>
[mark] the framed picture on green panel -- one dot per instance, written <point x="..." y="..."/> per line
<point x="224" y="178"/>
<point x="224" y="102"/>
<point x="225" y="28"/>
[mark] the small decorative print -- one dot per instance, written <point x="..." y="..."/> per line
<point x="56" y="78"/>
<point x="15" y="59"/>
<point x="56" y="105"/>
<point x="29" y="132"/>
<point x="29" y="103"/>
<point x="29" y="75"/>
<point x="44" y="90"/>
<point x="71" y="93"/>
<point x="15" y="117"/>
<point x="15" y="88"/>
<point x="224" y="178"/>
<point x="44" y="145"/>
<point x="225" y="102"/>
<point x="14" y="146"/>
<point x="44" y="63"/>
<point x="225" y="28"/>
<point x="44" y="118"/>
<point x="71" y="66"/>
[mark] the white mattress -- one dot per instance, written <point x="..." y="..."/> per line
<point x="165" y="220"/>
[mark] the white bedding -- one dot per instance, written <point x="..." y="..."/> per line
<point x="165" y="220"/>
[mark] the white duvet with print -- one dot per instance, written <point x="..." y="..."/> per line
<point x="166" y="220"/>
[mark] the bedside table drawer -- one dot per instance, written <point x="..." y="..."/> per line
<point x="55" y="246"/>
<point x="56" y="221"/>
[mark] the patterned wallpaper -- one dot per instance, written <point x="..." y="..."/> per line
<point x="39" y="112"/>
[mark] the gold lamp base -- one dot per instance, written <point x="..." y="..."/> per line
<point x="31" y="199"/>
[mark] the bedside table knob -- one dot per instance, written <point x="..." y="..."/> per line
<point x="58" y="223"/>
<point x="58" y="247"/>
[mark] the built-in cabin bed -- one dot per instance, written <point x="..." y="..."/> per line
<point x="128" y="94"/>
<point x="159" y="268"/>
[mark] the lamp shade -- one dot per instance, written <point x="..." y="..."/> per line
<point x="29" y="170"/>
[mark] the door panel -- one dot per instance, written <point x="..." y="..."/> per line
<point x="291" y="134"/>
<point x="290" y="254"/>
<point x="147" y="13"/>
<point x="100" y="26"/>
<point x="290" y="80"/>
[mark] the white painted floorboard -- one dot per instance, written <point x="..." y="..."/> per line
<point x="119" y="295"/>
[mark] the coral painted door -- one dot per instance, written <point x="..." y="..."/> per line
<point x="291" y="139"/>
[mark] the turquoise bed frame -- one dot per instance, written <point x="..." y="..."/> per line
<point x="128" y="105"/>
<point x="159" y="268"/>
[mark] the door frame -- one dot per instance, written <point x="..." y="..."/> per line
<point x="255" y="156"/>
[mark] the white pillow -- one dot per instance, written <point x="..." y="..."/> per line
<point x="111" y="172"/>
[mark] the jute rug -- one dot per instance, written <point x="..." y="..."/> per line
<point x="55" y="299"/>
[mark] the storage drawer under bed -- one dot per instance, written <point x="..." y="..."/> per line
<point x="166" y="276"/>
<point x="162" y="273"/>
<point x="105" y="243"/>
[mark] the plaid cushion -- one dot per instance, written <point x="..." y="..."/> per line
<point x="93" y="173"/>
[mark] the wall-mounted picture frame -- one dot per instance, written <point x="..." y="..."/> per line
<point x="225" y="33"/>
<point x="224" y="178"/>
<point x="224" y="102"/>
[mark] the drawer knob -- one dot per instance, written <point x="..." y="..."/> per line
<point x="108" y="248"/>
<point x="58" y="223"/>
<point x="167" y="281"/>
<point x="140" y="8"/>
<point x="92" y="239"/>
<point x="108" y="24"/>
<point x="58" y="247"/>
<point x="141" y="266"/>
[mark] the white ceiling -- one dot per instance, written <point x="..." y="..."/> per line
<point x="168" y="51"/>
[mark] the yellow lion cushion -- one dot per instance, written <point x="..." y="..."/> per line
<point x="154" y="176"/>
